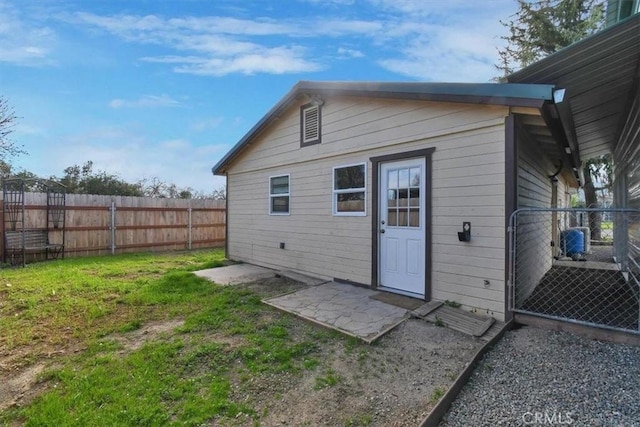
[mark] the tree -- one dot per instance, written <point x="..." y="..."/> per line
<point x="155" y="187"/>
<point x="83" y="180"/>
<point x="8" y="148"/>
<point x="598" y="176"/>
<point x="73" y="176"/>
<point x="540" y="28"/>
<point x="218" y="194"/>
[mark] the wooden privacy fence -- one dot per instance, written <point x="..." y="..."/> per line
<point x="100" y="225"/>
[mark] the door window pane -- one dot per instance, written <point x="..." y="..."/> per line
<point x="392" y="198"/>
<point x="414" y="176"/>
<point x="403" y="220"/>
<point x="414" y="218"/>
<point x="403" y="178"/>
<point x="392" y="179"/>
<point x="414" y="197"/>
<point x="392" y="217"/>
<point x="403" y="197"/>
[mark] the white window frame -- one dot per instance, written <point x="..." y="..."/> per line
<point x="272" y="195"/>
<point x="348" y="190"/>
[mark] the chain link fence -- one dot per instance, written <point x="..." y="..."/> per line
<point x="578" y="265"/>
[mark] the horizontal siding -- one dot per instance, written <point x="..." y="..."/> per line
<point x="468" y="185"/>
<point x="371" y="124"/>
<point x="534" y="230"/>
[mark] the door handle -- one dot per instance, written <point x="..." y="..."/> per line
<point x="382" y="231"/>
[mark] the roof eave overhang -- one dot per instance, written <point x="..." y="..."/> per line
<point x="559" y="121"/>
<point x="220" y="167"/>
<point x="565" y="115"/>
<point x="598" y="72"/>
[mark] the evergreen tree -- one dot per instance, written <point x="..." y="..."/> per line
<point x="540" y="28"/>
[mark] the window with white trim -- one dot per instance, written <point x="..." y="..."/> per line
<point x="310" y="124"/>
<point x="279" y="195"/>
<point x="349" y="190"/>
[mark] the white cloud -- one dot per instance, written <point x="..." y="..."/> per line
<point x="207" y="45"/>
<point x="453" y="48"/>
<point x="430" y="40"/>
<point x="416" y="38"/>
<point x="421" y="8"/>
<point x="344" y="53"/>
<point x="145" y="101"/>
<point x="331" y="2"/>
<point x="345" y="27"/>
<point x="273" y="61"/>
<point x="448" y="54"/>
<point x="24" y="43"/>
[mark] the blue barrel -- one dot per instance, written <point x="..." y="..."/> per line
<point x="573" y="242"/>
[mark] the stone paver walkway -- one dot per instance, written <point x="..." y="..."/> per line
<point x="342" y="307"/>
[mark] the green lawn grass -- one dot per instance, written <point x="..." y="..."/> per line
<point x="183" y="378"/>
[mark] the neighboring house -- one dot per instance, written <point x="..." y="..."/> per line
<point x="617" y="10"/>
<point x="371" y="183"/>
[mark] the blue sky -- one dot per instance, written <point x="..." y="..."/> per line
<point x="163" y="88"/>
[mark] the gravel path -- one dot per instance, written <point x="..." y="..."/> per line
<point x="538" y="377"/>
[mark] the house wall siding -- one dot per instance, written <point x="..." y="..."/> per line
<point x="468" y="185"/>
<point x="626" y="160"/>
<point x="534" y="230"/>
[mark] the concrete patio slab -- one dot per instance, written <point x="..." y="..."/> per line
<point x="236" y="274"/>
<point x="346" y="308"/>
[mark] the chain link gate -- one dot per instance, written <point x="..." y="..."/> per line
<point x="577" y="265"/>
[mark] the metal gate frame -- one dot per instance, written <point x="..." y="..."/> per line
<point x="624" y="243"/>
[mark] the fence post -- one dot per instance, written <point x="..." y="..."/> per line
<point x="2" y="230"/>
<point x="189" y="210"/>
<point x="112" y="227"/>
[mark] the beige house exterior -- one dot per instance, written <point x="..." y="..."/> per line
<point x="472" y="154"/>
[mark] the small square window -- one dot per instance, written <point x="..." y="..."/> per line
<point x="349" y="190"/>
<point x="279" y="195"/>
<point x="310" y="125"/>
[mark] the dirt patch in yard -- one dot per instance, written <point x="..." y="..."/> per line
<point x="393" y="382"/>
<point x="20" y="387"/>
<point x="133" y="340"/>
<point x="273" y="286"/>
<point x="19" y="378"/>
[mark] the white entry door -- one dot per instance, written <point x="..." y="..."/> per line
<point x="401" y="227"/>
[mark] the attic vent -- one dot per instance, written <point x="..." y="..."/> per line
<point x="309" y="125"/>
